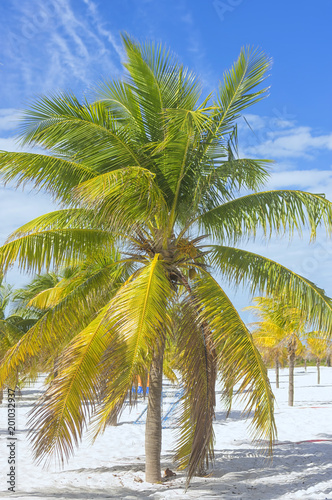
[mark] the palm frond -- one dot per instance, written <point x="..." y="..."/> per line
<point x="197" y="366"/>
<point x="238" y="91"/>
<point x="159" y="82"/>
<point x="70" y="218"/>
<point x="138" y="313"/>
<point x="48" y="248"/>
<point x="55" y="175"/>
<point x="62" y="413"/>
<point x="79" y="301"/>
<point x="238" y="357"/>
<point x="123" y="198"/>
<point x="120" y="100"/>
<point x="271" y="211"/>
<point x="84" y="133"/>
<point x="265" y="276"/>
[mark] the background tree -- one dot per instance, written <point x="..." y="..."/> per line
<point x="268" y="335"/>
<point x="318" y="348"/>
<point x="150" y="168"/>
<point x="281" y="328"/>
<point x="12" y="326"/>
<point x="23" y="297"/>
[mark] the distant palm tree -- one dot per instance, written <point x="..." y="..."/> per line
<point x="319" y="348"/>
<point x="282" y="327"/>
<point x="267" y="334"/>
<point x="12" y="326"/>
<point x="23" y="297"/>
<point x="152" y="170"/>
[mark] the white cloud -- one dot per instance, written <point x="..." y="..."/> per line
<point x="10" y="144"/>
<point x="93" y="11"/>
<point x="9" y="119"/>
<point x="279" y="119"/>
<point x="250" y="121"/>
<point x="302" y="179"/>
<point x="279" y="138"/>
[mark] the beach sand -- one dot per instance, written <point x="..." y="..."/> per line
<point x="114" y="466"/>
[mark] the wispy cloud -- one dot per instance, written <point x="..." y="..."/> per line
<point x="101" y="29"/>
<point x="193" y="36"/>
<point x="52" y="41"/>
<point x="9" y="118"/>
<point x="301" y="179"/>
<point x="194" y="44"/>
<point x="279" y="137"/>
<point x="313" y="181"/>
<point x="299" y="142"/>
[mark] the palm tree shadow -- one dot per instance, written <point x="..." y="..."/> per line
<point x="251" y="475"/>
<point x="114" y="491"/>
<point x="222" y="418"/>
<point x="95" y="494"/>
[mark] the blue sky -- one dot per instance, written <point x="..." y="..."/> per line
<point x="48" y="45"/>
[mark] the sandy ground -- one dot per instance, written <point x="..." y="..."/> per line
<point x="114" y="466"/>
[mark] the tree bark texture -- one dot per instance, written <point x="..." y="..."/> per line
<point x="277" y="371"/>
<point x="153" y="426"/>
<point x="291" y="361"/>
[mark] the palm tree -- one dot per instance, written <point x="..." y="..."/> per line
<point x="36" y="297"/>
<point x="282" y="327"/>
<point x="268" y="334"/>
<point x="23" y="297"/>
<point x="318" y="348"/>
<point x="151" y="169"/>
<point x="12" y="325"/>
<point x="329" y="353"/>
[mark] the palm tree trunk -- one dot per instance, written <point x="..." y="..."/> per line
<point x="305" y="364"/>
<point x="277" y="371"/>
<point x="318" y="371"/>
<point x="113" y="420"/>
<point x="1" y="396"/>
<point x="153" y="422"/>
<point x="291" y="360"/>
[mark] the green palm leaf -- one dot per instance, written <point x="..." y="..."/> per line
<point x="44" y="249"/>
<point x="236" y="91"/>
<point x="197" y="366"/>
<point x="139" y="313"/>
<point x="55" y="175"/>
<point x="123" y="198"/>
<point x="79" y="300"/>
<point x="264" y="276"/>
<point x="238" y="357"/>
<point x="64" y="410"/>
<point x="270" y="211"/>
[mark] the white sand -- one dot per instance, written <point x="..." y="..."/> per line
<point x="114" y="466"/>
